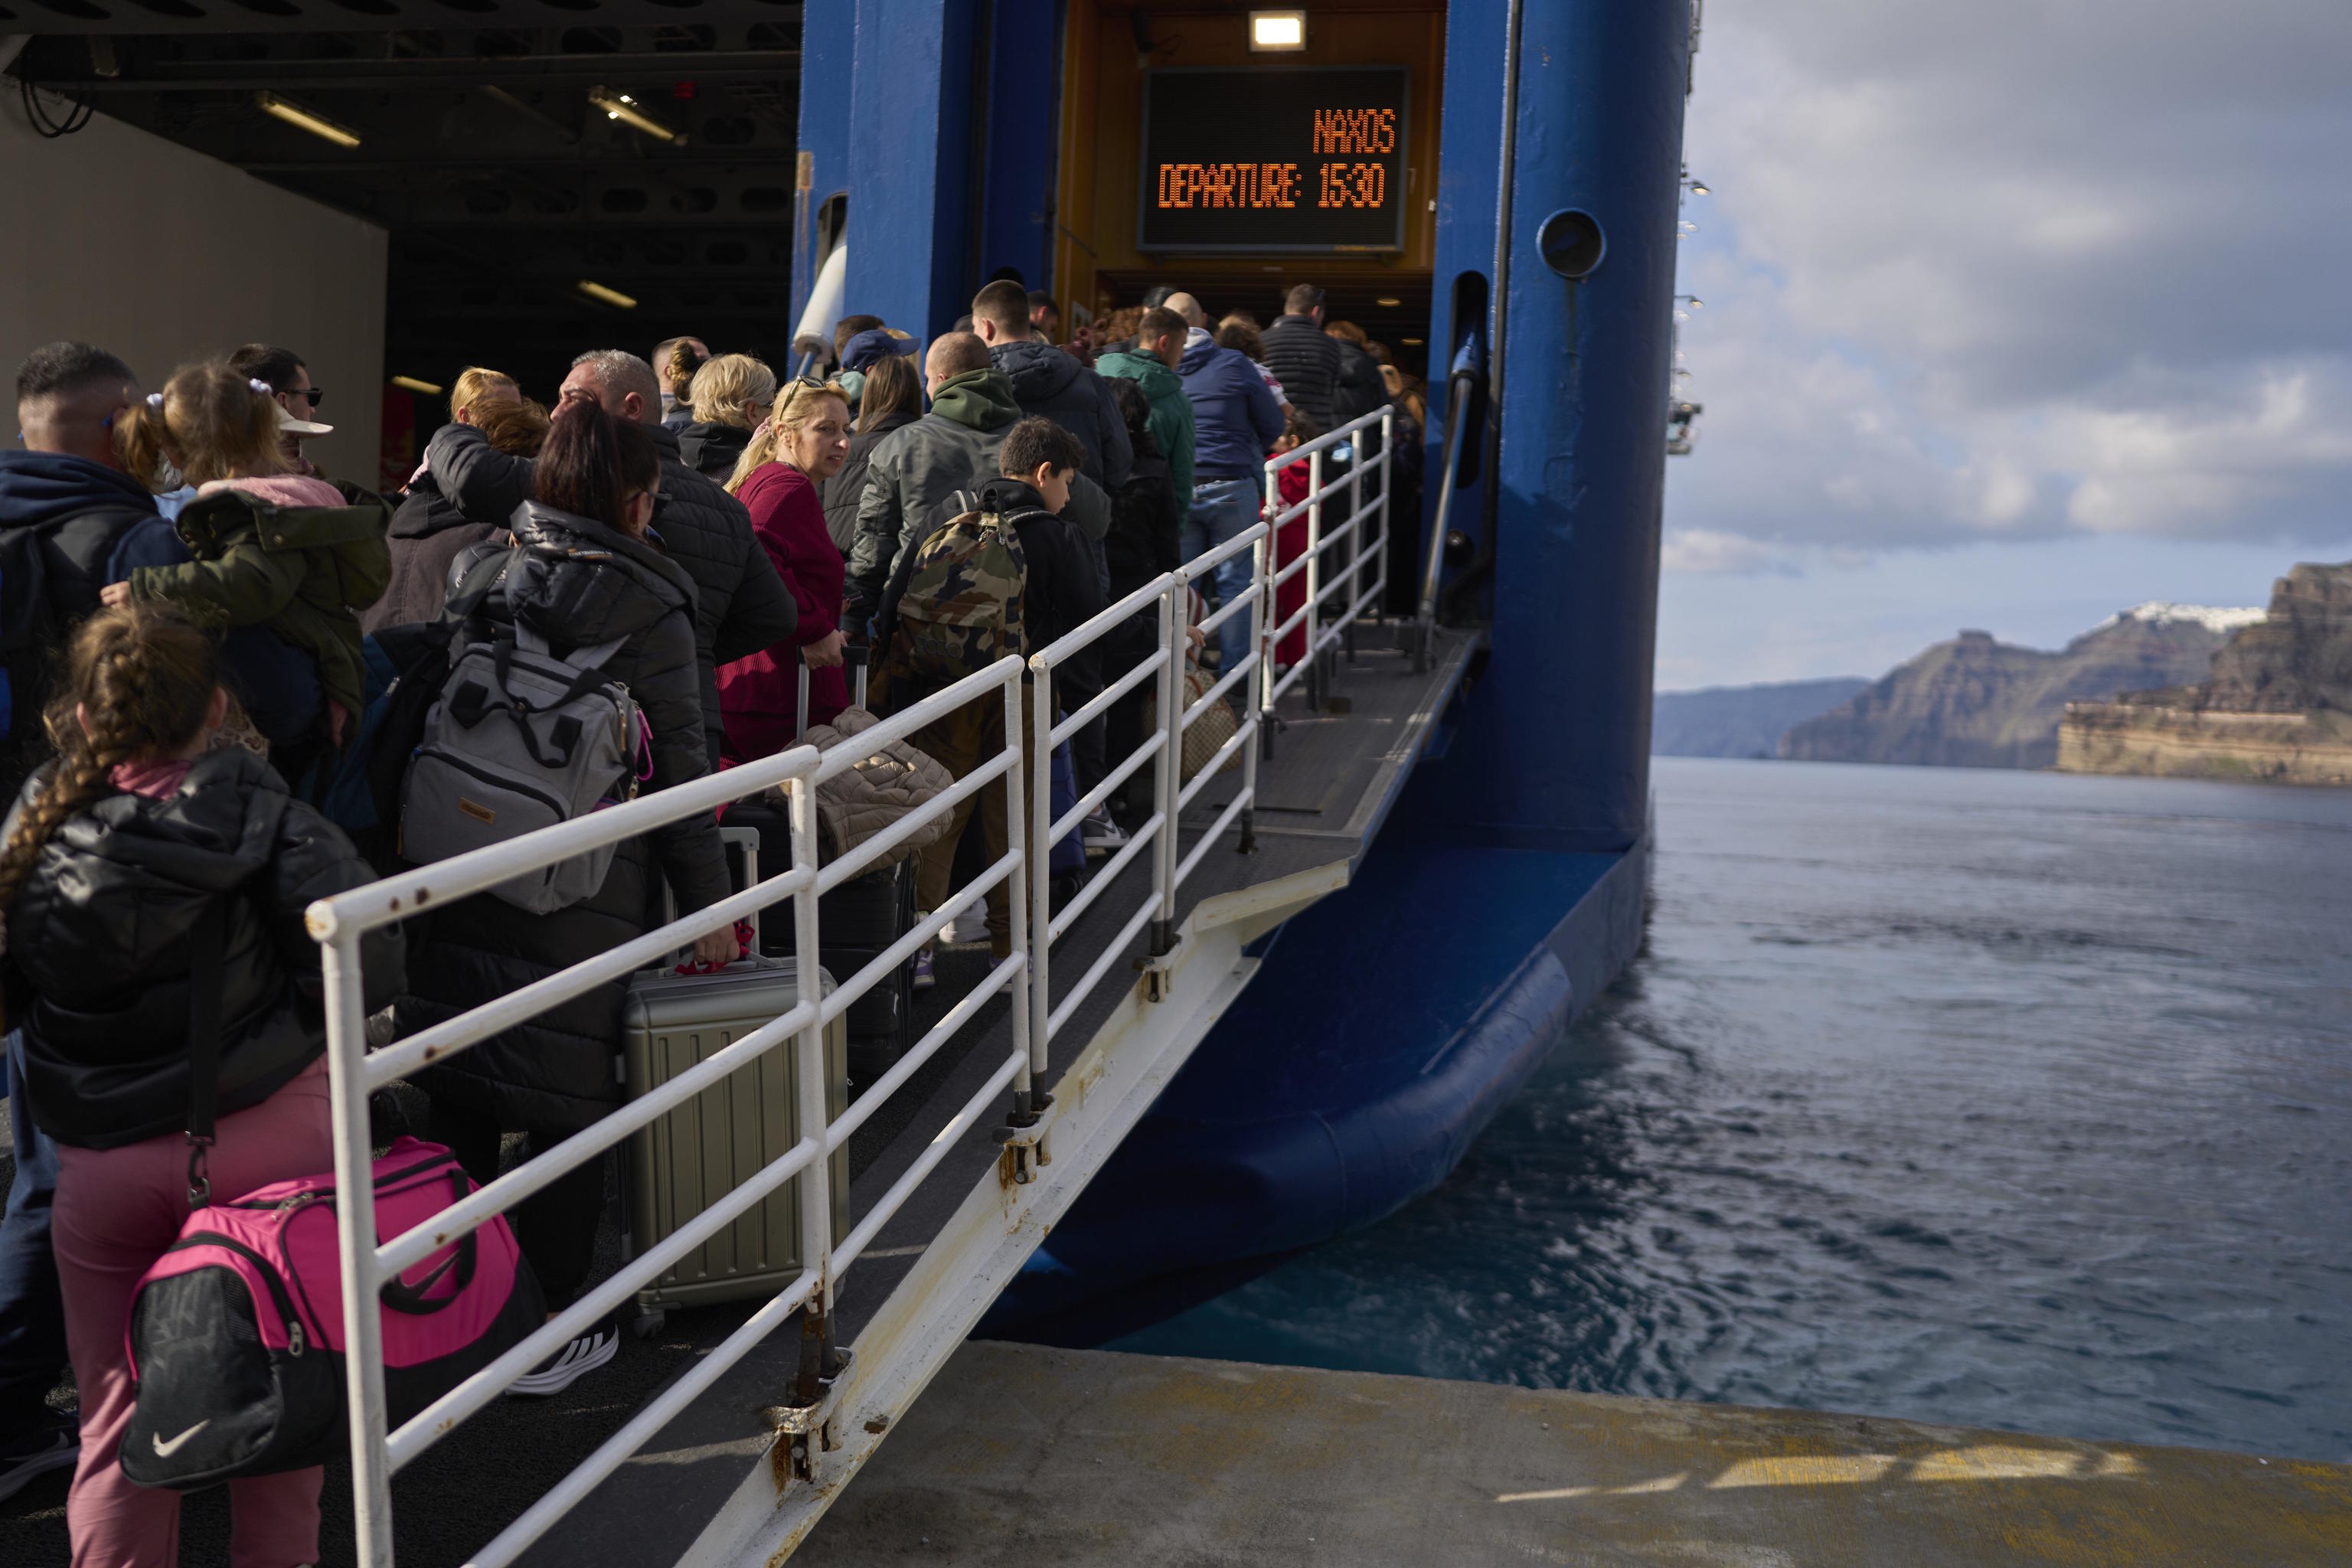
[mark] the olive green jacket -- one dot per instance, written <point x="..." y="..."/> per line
<point x="302" y="572"/>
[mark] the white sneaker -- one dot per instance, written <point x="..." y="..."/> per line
<point x="567" y="1366"/>
<point x="970" y="927"/>
<point x="1102" y="835"/>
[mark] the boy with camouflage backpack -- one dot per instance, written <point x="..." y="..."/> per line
<point x="1009" y="576"/>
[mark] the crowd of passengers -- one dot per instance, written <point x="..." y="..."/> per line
<point x="199" y="631"/>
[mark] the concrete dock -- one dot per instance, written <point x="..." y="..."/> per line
<point x="1019" y="1455"/>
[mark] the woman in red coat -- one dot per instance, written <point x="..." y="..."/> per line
<point x="1294" y="481"/>
<point x="781" y="480"/>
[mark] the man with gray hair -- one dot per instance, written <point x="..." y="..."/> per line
<point x="741" y="605"/>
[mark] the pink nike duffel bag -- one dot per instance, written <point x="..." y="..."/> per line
<point x="237" y="1332"/>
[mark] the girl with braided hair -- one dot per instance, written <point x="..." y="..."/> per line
<point x="141" y="846"/>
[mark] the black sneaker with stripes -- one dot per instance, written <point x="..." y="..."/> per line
<point x="595" y="1346"/>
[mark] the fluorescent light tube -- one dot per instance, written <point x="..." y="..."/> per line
<point x="317" y="124"/>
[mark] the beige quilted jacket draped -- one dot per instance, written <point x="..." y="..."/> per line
<point x="883" y="786"/>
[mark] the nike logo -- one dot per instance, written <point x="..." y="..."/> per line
<point x="166" y="1450"/>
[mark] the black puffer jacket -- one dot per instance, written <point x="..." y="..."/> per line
<point x="1360" y="389"/>
<point x="428" y="533"/>
<point x="97" y="964"/>
<point x="741" y="604"/>
<point x="578" y="581"/>
<point x="1049" y="385"/>
<point x="711" y="450"/>
<point x="1307" y="362"/>
<point x="1147" y="525"/>
<point x="847" y="488"/>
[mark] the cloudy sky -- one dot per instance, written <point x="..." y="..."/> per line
<point x="2016" y="313"/>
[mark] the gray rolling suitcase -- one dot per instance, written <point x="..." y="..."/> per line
<point x="682" y="1163"/>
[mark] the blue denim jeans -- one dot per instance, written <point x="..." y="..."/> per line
<point x="1220" y="509"/>
<point x="32" y="1313"/>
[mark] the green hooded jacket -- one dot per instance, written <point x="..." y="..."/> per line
<point x="302" y="572"/>
<point x="917" y="465"/>
<point x="1171" y="411"/>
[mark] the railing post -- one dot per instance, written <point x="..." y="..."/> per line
<point x="1313" y="627"/>
<point x="1026" y="1035"/>
<point x="1168" y="775"/>
<point x="1388" y="485"/>
<point x="355" y="1237"/>
<point x="1263" y="563"/>
<point x="816" y="1179"/>
<point x="1030" y="897"/>
<point x="1355" y="539"/>
<point x="1261" y="611"/>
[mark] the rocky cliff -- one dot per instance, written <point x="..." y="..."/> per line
<point x="1976" y="702"/>
<point x="2277" y="704"/>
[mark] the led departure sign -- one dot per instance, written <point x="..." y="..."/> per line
<point x="1273" y="159"/>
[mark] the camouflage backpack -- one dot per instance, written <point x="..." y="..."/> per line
<point x="961" y="609"/>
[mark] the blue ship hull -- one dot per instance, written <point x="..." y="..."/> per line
<point x="1410" y="1006"/>
<point x="1388" y="1024"/>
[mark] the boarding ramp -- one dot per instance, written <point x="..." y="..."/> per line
<point x="1018" y="1088"/>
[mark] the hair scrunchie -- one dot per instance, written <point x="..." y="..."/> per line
<point x="261" y="387"/>
<point x="155" y="401"/>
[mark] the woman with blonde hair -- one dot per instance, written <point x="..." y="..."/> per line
<point x="778" y="480"/>
<point x="731" y="395"/>
<point x="478" y="383"/>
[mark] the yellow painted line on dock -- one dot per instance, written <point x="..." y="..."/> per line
<point x="1046" y="1457"/>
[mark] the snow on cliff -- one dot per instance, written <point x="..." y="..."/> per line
<point x="2160" y="613"/>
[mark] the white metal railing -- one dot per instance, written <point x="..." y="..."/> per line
<point x="1252" y="687"/>
<point x="369" y="1263"/>
<point x="1324" y="630"/>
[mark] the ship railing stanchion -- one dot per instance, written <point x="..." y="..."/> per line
<point x="1355" y="541"/>
<point x="1387" y="486"/>
<point x="818" y="1359"/>
<point x="1259" y="684"/>
<point x="1263" y="565"/>
<point x="1314" y="639"/>
<point x="1028" y="896"/>
<point x="355" y="1241"/>
<point x="1168" y="775"/>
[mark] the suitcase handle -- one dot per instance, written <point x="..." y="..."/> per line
<point x="854" y="656"/>
<point x="747" y="840"/>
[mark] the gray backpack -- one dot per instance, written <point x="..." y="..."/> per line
<point x="522" y="740"/>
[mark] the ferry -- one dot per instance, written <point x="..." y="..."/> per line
<point x="1355" y="919"/>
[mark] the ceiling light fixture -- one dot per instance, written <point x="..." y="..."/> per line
<point x="1411" y="343"/>
<point x="1277" y="32"/>
<point x="317" y="124"/>
<point x="610" y="296"/>
<point x="620" y="106"/>
<point x="410" y="383"/>
<point x="1387" y="303"/>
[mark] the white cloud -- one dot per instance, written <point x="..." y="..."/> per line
<point x="2016" y="269"/>
<point x="1705" y="550"/>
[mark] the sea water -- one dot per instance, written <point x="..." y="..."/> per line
<point x="2009" y="1099"/>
